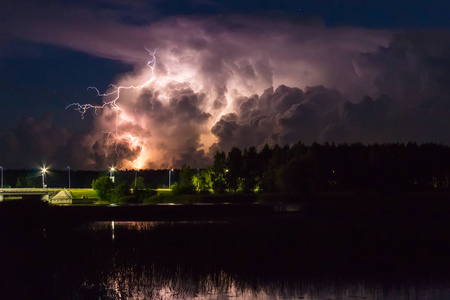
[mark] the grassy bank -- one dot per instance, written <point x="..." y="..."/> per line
<point x="83" y="194"/>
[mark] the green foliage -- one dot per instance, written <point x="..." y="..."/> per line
<point x="202" y="180"/>
<point x="185" y="186"/>
<point x="219" y="184"/>
<point x="83" y="194"/>
<point x="104" y="187"/>
<point x="120" y="191"/>
<point x="138" y="183"/>
<point x="141" y="191"/>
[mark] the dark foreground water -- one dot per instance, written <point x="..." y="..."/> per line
<point x="308" y="257"/>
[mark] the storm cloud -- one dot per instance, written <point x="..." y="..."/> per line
<point x="246" y="80"/>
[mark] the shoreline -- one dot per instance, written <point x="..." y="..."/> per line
<point x="330" y="205"/>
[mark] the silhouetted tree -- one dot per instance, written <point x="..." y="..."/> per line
<point x="271" y="178"/>
<point x="298" y="175"/>
<point x="264" y="157"/>
<point x="219" y="184"/>
<point x="28" y="182"/>
<point x="235" y="167"/>
<point x="250" y="159"/>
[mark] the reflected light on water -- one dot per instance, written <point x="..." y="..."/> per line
<point x="142" y="226"/>
<point x="148" y="285"/>
<point x="159" y="270"/>
<point x="112" y="229"/>
<point x="264" y="259"/>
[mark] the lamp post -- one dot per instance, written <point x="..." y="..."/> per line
<point x="44" y="170"/>
<point x="111" y="174"/>
<point x="2" y="175"/>
<point x="198" y="179"/>
<point x="170" y="176"/>
<point x="69" y="176"/>
<point x="135" y="178"/>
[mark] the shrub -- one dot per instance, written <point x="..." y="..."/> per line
<point x="103" y="186"/>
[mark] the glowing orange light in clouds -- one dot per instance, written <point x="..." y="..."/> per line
<point x="135" y="133"/>
<point x="135" y="141"/>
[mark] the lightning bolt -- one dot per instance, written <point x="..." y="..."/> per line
<point x="83" y="108"/>
<point x="135" y="134"/>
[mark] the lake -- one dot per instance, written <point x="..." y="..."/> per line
<point x="309" y="257"/>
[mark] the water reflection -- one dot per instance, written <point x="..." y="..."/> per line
<point x="174" y="278"/>
<point x="264" y="259"/>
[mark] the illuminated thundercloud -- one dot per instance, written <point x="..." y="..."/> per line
<point x="239" y="81"/>
<point x="136" y="142"/>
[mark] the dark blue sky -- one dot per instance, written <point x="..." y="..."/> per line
<point x="46" y="80"/>
<point x="366" y="13"/>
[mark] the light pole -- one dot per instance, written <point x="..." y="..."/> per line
<point x="111" y="174"/>
<point x="69" y="176"/>
<point x="170" y="176"/>
<point x="2" y="175"/>
<point x="198" y="179"/>
<point x="44" y="170"/>
<point x="135" y="178"/>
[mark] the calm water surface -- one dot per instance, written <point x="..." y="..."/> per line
<point x="263" y="259"/>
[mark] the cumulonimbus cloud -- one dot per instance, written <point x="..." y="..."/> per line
<point x="247" y="81"/>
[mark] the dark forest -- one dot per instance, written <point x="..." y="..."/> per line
<point x="293" y="169"/>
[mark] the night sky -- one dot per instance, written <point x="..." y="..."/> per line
<point x="226" y="73"/>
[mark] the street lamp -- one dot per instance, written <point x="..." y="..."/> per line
<point x="2" y="175"/>
<point x="170" y="176"/>
<point x="111" y="174"/>
<point x="135" y="178"/>
<point x="69" y="176"/>
<point x="44" y="170"/>
<point x="198" y="179"/>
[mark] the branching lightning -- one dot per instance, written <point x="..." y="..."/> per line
<point x="134" y="131"/>
<point x="83" y="108"/>
<point x="116" y="92"/>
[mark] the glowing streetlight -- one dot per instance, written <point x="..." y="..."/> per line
<point x="111" y="173"/>
<point x="2" y="175"/>
<point x="44" y="170"/>
<point x="69" y="175"/>
<point x="170" y="176"/>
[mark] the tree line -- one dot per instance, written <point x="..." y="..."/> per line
<point x="328" y="167"/>
<point x="297" y="168"/>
